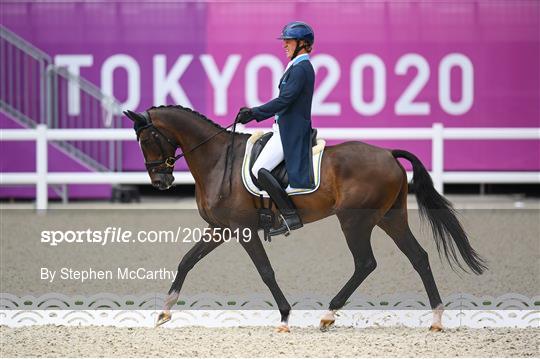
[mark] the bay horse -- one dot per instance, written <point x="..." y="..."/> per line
<point x="363" y="185"/>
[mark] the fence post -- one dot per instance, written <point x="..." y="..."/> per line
<point x="41" y="168"/>
<point x="437" y="157"/>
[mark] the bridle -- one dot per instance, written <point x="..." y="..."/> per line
<point x="165" y="165"/>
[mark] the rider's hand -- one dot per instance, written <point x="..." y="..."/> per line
<point x="244" y="116"/>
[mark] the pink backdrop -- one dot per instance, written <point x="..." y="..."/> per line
<point x="494" y="83"/>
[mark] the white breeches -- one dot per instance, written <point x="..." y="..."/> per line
<point x="272" y="153"/>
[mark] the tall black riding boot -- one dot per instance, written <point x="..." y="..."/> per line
<point x="291" y="220"/>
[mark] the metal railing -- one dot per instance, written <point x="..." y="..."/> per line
<point x="75" y="103"/>
<point x="437" y="134"/>
<point x="35" y="91"/>
<point x="24" y="75"/>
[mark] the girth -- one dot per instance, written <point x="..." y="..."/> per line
<point x="280" y="172"/>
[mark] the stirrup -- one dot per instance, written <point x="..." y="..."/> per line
<point x="284" y="222"/>
<point x="285" y="228"/>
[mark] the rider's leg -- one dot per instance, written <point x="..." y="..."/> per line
<point x="291" y="220"/>
<point x="270" y="157"/>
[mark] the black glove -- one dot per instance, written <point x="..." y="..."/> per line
<point x="244" y="116"/>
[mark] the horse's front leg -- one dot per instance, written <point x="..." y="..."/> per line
<point x="257" y="253"/>
<point x="195" y="254"/>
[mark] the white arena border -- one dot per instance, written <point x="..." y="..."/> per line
<point x="509" y="310"/>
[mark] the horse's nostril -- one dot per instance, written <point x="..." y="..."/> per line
<point x="156" y="183"/>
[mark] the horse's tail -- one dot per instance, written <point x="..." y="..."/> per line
<point x="445" y="226"/>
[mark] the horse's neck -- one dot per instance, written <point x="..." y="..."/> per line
<point x="203" y="159"/>
<point x="192" y="132"/>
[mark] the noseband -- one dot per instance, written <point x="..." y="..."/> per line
<point x="166" y="164"/>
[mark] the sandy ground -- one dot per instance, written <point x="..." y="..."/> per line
<point x="53" y="341"/>
<point x="315" y="260"/>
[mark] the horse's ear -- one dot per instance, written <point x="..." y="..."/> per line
<point x="135" y="117"/>
<point x="131" y="115"/>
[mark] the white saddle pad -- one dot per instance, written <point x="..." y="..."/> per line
<point x="250" y="186"/>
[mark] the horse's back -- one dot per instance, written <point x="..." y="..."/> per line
<point x="357" y="155"/>
<point x="361" y="171"/>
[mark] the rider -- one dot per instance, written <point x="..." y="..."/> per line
<point x="291" y="139"/>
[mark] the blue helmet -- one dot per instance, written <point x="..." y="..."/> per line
<point x="298" y="30"/>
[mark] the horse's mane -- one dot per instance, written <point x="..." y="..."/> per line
<point x="187" y="109"/>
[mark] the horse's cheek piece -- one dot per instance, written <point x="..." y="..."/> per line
<point x="169" y="162"/>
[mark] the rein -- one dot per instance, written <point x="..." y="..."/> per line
<point x="169" y="162"/>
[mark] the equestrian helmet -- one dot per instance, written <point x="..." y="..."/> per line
<point x="298" y="30"/>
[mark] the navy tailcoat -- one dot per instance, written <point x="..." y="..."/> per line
<point x="293" y="108"/>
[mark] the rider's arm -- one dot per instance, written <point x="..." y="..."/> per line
<point x="288" y="94"/>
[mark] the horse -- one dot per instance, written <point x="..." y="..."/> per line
<point x="363" y="185"/>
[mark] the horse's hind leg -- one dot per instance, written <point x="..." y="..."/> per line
<point x="357" y="228"/>
<point x="395" y="224"/>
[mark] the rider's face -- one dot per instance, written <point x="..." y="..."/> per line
<point x="289" y="46"/>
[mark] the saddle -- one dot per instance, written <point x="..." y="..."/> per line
<point x="280" y="172"/>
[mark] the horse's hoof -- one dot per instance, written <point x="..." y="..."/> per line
<point x="326" y="324"/>
<point x="163" y="318"/>
<point x="436" y="328"/>
<point x="283" y="329"/>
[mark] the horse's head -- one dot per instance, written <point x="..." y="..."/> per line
<point x="158" y="149"/>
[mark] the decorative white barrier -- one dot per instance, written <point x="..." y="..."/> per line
<point x="510" y="310"/>
<point x="437" y="134"/>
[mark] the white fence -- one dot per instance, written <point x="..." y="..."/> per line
<point x="437" y="134"/>
<point x="400" y="309"/>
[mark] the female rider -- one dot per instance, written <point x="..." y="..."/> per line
<point x="291" y="139"/>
